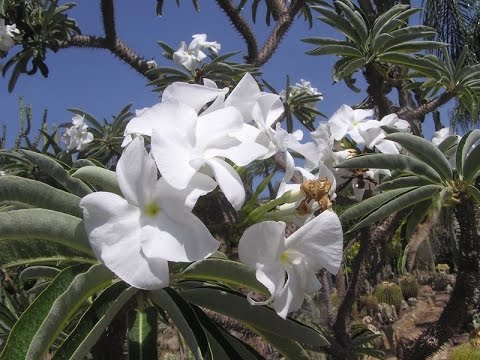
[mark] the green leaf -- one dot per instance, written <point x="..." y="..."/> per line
<point x="472" y="164"/>
<point x="31" y="193"/>
<point x="223" y="271"/>
<point x="384" y="19"/>
<point x="416" y="217"/>
<point x="404" y="182"/>
<point x="447" y="144"/>
<point x="356" y="20"/>
<point x="402" y="202"/>
<point x="473" y="139"/>
<point x="402" y="163"/>
<point x="93" y="323"/>
<point x="21" y="252"/>
<point x="474" y="193"/>
<point x="38" y="272"/>
<point x="32" y="224"/>
<point x="340" y="50"/>
<point x="290" y="350"/>
<point x="56" y="171"/>
<point x="184" y="318"/>
<point x="143" y="333"/>
<point x="65" y="306"/>
<point x="222" y="344"/>
<point x="262" y="318"/>
<point x="348" y="68"/>
<point x="105" y="179"/>
<point x="370" y="204"/>
<point x="26" y="327"/>
<point x="250" y="204"/>
<point x="2" y="10"/>
<point x="339" y="23"/>
<point x="424" y="150"/>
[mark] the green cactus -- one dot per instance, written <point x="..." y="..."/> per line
<point x="389" y="293"/>
<point x="440" y="281"/>
<point x="409" y="286"/>
<point x="466" y="351"/>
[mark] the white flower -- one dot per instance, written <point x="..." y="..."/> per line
<point x="345" y="121"/>
<point x="2" y="173"/>
<point x="7" y="33"/>
<point x="306" y="86"/>
<point x="440" y="135"/>
<point x="313" y="194"/>
<point x="373" y="135"/>
<point x="192" y="56"/>
<point x="77" y="137"/>
<point x="287" y="266"/>
<point x="136" y="236"/>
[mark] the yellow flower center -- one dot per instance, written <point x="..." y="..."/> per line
<point x="284" y="258"/>
<point x="152" y="209"/>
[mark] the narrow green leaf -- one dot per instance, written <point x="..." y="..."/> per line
<point x="105" y="179"/>
<point x="401" y="163"/>
<point x="370" y="204"/>
<point x="93" y="323"/>
<point x="425" y="151"/>
<point x="447" y="144"/>
<point x="339" y="23"/>
<point x="32" y="224"/>
<point x="473" y="139"/>
<point x="38" y="272"/>
<point x="474" y="193"/>
<point x="142" y="333"/>
<point x="56" y="171"/>
<point x="223" y="271"/>
<point x="2" y="10"/>
<point x="402" y="202"/>
<point x="415" y="46"/>
<point x="261" y="317"/>
<point x="385" y="18"/>
<point x="21" y="252"/>
<point x="356" y="20"/>
<point x="31" y="193"/>
<point x="472" y="164"/>
<point x="26" y="327"/>
<point x="325" y="41"/>
<point x="404" y="182"/>
<point x="459" y="159"/>
<point x="222" y="344"/>
<point x="416" y="217"/>
<point x="65" y="306"/>
<point x="290" y="349"/>
<point x="184" y="318"/>
<point x="340" y="50"/>
<point x="349" y="67"/>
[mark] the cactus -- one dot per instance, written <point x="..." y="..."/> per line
<point x="389" y="293"/>
<point x="409" y="286"/>
<point x="440" y="281"/>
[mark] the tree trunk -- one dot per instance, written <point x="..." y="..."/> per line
<point x="458" y="312"/>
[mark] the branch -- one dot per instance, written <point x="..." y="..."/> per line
<point x="242" y="27"/>
<point x="285" y="20"/>
<point x="426" y="108"/>
<point x="108" y="18"/>
<point x="119" y="49"/>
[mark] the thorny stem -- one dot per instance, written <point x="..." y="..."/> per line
<point x="242" y="27"/>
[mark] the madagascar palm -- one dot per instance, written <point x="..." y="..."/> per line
<point x="423" y="183"/>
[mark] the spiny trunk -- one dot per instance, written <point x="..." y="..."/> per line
<point x="457" y="313"/>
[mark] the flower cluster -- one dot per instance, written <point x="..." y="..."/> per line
<point x="77" y="136"/>
<point x="191" y="56"/>
<point x="198" y="135"/>
<point x="7" y="35"/>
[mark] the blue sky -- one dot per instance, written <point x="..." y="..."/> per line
<point x="95" y="81"/>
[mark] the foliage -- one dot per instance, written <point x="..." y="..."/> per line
<point x="389" y="293"/>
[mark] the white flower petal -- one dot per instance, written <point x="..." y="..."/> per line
<point x="173" y="156"/>
<point x="321" y="239"/>
<point x="113" y="229"/>
<point x="229" y="182"/>
<point x="244" y="96"/>
<point x="193" y="95"/>
<point x="291" y="296"/>
<point x="169" y="239"/>
<point x="262" y="243"/>
<point x="136" y="173"/>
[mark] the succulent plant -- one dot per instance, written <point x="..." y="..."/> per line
<point x="409" y="286"/>
<point x="389" y="293"/>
